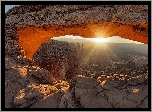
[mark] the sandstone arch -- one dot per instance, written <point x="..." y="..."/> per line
<point x="44" y="22"/>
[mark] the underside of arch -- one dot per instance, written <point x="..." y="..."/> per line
<point x="31" y="37"/>
<point x="35" y="24"/>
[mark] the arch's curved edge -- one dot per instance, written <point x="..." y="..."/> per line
<point x="44" y="22"/>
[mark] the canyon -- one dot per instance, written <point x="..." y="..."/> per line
<point x="35" y="79"/>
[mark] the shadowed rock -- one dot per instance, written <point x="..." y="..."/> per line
<point x="57" y="57"/>
<point x="51" y="101"/>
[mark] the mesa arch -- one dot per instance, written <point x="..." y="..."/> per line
<point x="92" y="21"/>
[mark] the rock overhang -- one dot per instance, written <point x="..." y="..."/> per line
<point x="89" y="21"/>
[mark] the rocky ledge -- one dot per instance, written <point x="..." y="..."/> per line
<point x="35" y="87"/>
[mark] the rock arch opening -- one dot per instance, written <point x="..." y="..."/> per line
<point x="31" y="37"/>
<point x="37" y="24"/>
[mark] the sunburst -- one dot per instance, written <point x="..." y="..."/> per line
<point x="99" y="40"/>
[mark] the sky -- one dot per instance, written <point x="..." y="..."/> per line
<point x="113" y="39"/>
<point x="7" y="7"/>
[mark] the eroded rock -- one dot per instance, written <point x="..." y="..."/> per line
<point x="51" y="101"/>
<point x="74" y="20"/>
<point x="15" y="80"/>
<point x="57" y="57"/>
<point x="26" y="97"/>
<point x="68" y="100"/>
<point x="40" y="75"/>
<point x="89" y="93"/>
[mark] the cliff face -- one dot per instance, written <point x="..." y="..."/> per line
<point x="36" y="24"/>
<point x="57" y="57"/>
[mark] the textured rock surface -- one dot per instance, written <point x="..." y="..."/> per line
<point x="14" y="80"/>
<point x="26" y="97"/>
<point x="89" y="93"/>
<point x="39" y="23"/>
<point x="51" y="101"/>
<point x="68" y="100"/>
<point x="27" y="85"/>
<point x="40" y="75"/>
<point x="57" y="57"/>
<point x="23" y="90"/>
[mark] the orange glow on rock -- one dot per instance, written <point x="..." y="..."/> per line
<point x="32" y="37"/>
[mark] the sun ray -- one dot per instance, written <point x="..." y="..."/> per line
<point x="87" y="58"/>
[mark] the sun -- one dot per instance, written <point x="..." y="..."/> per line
<point x="99" y="40"/>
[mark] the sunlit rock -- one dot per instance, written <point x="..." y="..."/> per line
<point x="27" y="97"/>
<point x="41" y="75"/>
<point x="14" y="81"/>
<point x="51" y="101"/>
<point x="30" y="86"/>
